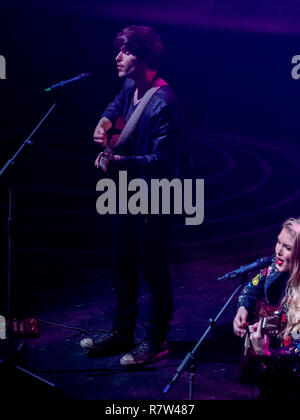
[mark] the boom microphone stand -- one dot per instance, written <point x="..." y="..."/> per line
<point x="189" y="360"/>
<point x="11" y="364"/>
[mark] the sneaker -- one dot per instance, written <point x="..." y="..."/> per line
<point x="109" y="343"/>
<point x="146" y="352"/>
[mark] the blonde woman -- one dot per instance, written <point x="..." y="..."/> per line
<point x="281" y="360"/>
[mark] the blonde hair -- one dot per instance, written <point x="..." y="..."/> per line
<point x="292" y="295"/>
<point x="293" y="227"/>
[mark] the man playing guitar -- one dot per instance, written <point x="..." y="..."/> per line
<point x="153" y="150"/>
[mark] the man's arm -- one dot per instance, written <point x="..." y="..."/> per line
<point x="164" y="134"/>
<point x="100" y="133"/>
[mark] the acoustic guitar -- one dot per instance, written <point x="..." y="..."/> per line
<point x="271" y="319"/>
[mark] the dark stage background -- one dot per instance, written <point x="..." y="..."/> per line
<point x="230" y="63"/>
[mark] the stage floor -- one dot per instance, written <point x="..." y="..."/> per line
<point x="66" y="282"/>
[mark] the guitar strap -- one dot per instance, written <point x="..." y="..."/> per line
<point x="136" y="115"/>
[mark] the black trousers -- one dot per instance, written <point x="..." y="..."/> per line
<point x="140" y="245"/>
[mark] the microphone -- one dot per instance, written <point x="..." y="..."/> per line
<point x="65" y="82"/>
<point x="257" y="265"/>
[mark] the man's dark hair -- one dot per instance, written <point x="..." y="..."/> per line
<point x="143" y="42"/>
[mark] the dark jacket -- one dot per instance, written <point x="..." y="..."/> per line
<point x="157" y="146"/>
<point x="269" y="284"/>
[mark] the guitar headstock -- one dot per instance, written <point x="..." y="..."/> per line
<point x="104" y="159"/>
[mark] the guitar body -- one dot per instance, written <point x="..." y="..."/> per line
<point x="271" y="322"/>
<point x="114" y="133"/>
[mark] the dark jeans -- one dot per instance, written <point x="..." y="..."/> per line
<point x="141" y="242"/>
